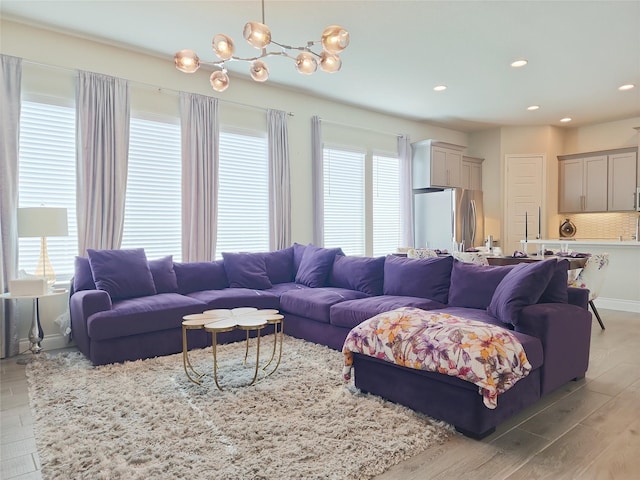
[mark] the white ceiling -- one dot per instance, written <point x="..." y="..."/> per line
<point x="579" y="52"/>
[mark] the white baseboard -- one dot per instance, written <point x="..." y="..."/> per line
<point x="618" y="304"/>
<point x="49" y="342"/>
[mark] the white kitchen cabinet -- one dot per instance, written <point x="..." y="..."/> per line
<point x="436" y="164"/>
<point x="622" y="181"/>
<point x="583" y="184"/>
<point x="472" y="173"/>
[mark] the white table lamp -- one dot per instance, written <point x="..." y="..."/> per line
<point x="43" y="222"/>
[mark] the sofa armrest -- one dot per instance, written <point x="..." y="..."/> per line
<point x="565" y="333"/>
<point x="82" y="305"/>
<point x="579" y="297"/>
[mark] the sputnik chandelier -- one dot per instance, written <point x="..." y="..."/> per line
<point x="334" y="40"/>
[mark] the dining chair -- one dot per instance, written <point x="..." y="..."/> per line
<point x="592" y="277"/>
<point x="421" y="253"/>
<point x="471" y="257"/>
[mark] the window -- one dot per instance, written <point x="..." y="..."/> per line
<point x="47" y="176"/>
<point x="386" y="205"/>
<point x="153" y="206"/>
<point x="344" y="206"/>
<point x="243" y="194"/>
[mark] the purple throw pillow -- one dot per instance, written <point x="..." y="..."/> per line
<point x="82" y="276"/>
<point x="298" y="252"/>
<point x="246" y="270"/>
<point x="279" y="265"/>
<point x="200" y="276"/>
<point x="521" y="287"/>
<point x="556" y="291"/>
<point x="418" y="277"/>
<point x="315" y="266"/>
<point x="358" y="273"/>
<point x="164" y="276"/>
<point x="122" y="273"/>
<point x="472" y="285"/>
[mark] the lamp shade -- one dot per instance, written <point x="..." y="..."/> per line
<point x="42" y="222"/>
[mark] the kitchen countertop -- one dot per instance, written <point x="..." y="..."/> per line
<point x="586" y="241"/>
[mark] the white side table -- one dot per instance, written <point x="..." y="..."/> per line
<point x="35" y="332"/>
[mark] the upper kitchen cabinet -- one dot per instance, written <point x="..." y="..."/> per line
<point x="437" y="164"/>
<point x="598" y="181"/>
<point x="472" y="173"/>
<point x="622" y="181"/>
<point x="583" y="184"/>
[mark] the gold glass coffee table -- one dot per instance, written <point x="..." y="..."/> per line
<point x="225" y="320"/>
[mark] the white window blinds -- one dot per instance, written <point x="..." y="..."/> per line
<point x="47" y="176"/>
<point x="386" y="205"/>
<point x="344" y="200"/>
<point x="153" y="203"/>
<point x="243" y="195"/>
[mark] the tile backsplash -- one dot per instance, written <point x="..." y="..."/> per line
<point x="603" y="225"/>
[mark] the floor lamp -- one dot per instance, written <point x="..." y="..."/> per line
<point x="43" y="222"/>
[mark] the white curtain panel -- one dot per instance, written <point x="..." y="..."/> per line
<point x="9" y="143"/>
<point x="200" y="164"/>
<point x="102" y="129"/>
<point x="279" y="180"/>
<point x="318" y="181"/>
<point x="406" y="194"/>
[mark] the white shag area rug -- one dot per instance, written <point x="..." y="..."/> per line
<point x="146" y="420"/>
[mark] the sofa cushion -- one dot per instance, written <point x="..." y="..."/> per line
<point x="314" y="303"/>
<point x="164" y="276"/>
<point x="418" y="277"/>
<point x="279" y="288"/>
<point x="196" y="276"/>
<point x="279" y="265"/>
<point x="353" y="312"/>
<point x="364" y="274"/>
<point x="237" y="297"/>
<point x="246" y="270"/>
<point x="121" y="273"/>
<point x="473" y="285"/>
<point x="315" y="266"/>
<point x="134" y="316"/>
<point x="557" y="291"/>
<point x="522" y="286"/>
<point x="82" y="276"/>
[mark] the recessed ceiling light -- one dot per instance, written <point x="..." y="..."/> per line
<point x="565" y="119"/>
<point x="519" y="63"/>
<point x="533" y="107"/>
<point x="628" y="86"/>
<point x="440" y="88"/>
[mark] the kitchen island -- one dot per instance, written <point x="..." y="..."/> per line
<point x="621" y="289"/>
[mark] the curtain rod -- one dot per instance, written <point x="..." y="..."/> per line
<point x="149" y="86"/>
<point x="358" y="127"/>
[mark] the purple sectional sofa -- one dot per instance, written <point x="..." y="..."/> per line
<point x="124" y="307"/>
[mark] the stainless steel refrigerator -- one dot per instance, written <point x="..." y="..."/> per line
<point x="442" y="215"/>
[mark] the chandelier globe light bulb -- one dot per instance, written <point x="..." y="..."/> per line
<point x="330" y="62"/>
<point x="187" y="61"/>
<point x="257" y="34"/>
<point x="223" y="46"/>
<point x="335" y="39"/>
<point x="306" y="63"/>
<point x="219" y="80"/>
<point x="259" y="71"/>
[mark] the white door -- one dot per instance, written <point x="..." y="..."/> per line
<point x="524" y="195"/>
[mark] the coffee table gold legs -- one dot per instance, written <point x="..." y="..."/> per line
<point x="275" y="344"/>
<point x="186" y="363"/>
<point x="214" y="341"/>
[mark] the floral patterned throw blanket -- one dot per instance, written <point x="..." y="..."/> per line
<point x="487" y="355"/>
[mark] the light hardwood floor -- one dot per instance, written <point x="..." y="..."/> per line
<point x="585" y="430"/>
